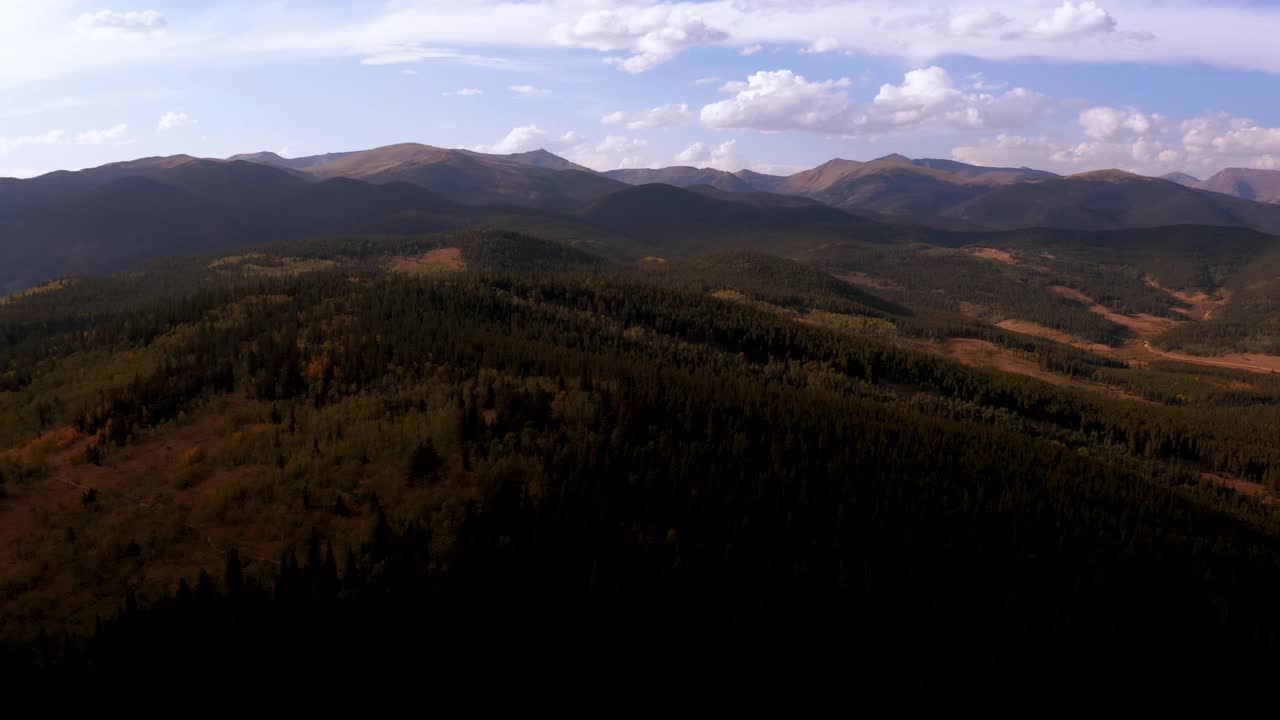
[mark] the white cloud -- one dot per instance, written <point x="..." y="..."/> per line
<point x="171" y="120"/>
<point x="710" y="80"/>
<point x="979" y="82"/>
<point x="399" y="55"/>
<point x="1130" y="139"/>
<point x="464" y="92"/>
<point x="35" y="44"/>
<point x="1224" y="135"/>
<point x="52" y="137"/>
<point x="99" y="137"/>
<point x="1108" y="123"/>
<point x="408" y="71"/>
<point x="144" y="22"/>
<point x="613" y="152"/>
<point x="1072" y="20"/>
<point x="520" y="139"/>
<point x="721" y="157"/>
<point x="824" y="44"/>
<point x="750" y="50"/>
<point x="653" y="34"/>
<point x="659" y="117"/>
<point x="529" y="91"/>
<point x="781" y="100"/>
<point x="974" y="23"/>
<point x="929" y="97"/>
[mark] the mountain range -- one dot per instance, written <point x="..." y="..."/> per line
<point x="1247" y="183"/>
<point x="112" y="217"/>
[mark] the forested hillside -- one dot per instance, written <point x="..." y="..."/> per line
<point x="504" y="474"/>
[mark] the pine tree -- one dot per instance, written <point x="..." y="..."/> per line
<point x="233" y="578"/>
<point x="424" y="463"/>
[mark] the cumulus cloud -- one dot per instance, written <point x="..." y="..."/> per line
<point x="171" y="120"/>
<point x="652" y="34"/>
<point x="750" y="50"/>
<point x="143" y="22"/>
<point x="520" y="139"/>
<point x="464" y="92"/>
<point x="781" y="100"/>
<point x="1071" y="20"/>
<point x="1108" y="123"/>
<point x="1133" y="140"/>
<point x="721" y="157"/>
<point x="1221" y="135"/>
<point x="99" y="137"/>
<point x="659" y="117"/>
<point x="529" y="91"/>
<point x="612" y="152"/>
<point x="929" y="96"/>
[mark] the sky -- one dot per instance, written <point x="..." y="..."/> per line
<point x="1150" y="86"/>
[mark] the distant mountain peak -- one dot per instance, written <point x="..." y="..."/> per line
<point x="1181" y="178"/>
<point x="263" y="156"/>
<point x="1111" y="175"/>
<point x="545" y="159"/>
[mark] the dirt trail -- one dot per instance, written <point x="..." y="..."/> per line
<point x="1202" y="305"/>
<point x="1265" y="364"/>
<point x="1147" y="327"/>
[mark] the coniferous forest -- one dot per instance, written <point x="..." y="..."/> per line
<point x="484" y="473"/>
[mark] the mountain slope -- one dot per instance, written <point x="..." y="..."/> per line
<point x="1111" y="200"/>
<point x="1182" y="179"/>
<point x="1246" y="183"/>
<point x="536" y="179"/>
<point x="682" y="222"/>
<point x="682" y="176"/>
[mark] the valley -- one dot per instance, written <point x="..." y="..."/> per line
<point x="569" y="399"/>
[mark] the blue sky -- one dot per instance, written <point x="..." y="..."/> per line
<point x="1067" y="85"/>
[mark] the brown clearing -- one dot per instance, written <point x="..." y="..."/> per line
<point x="980" y="353"/>
<point x="1202" y="305"/>
<point x="1242" y="486"/>
<point x="1072" y="293"/>
<point x="141" y="475"/>
<point x="1142" y="324"/>
<point x="1026" y="327"/>
<point x="440" y="259"/>
<point x="987" y="253"/>
<point x="1148" y="326"/>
